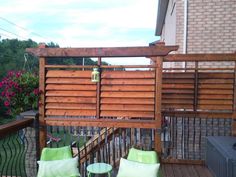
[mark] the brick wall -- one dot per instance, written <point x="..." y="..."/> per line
<point x="179" y="24"/>
<point x="211" y="26"/>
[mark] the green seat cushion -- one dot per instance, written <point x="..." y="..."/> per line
<point x="56" y="153"/>
<point x="142" y="156"/>
<point x="59" y="168"/>
<point x="136" y="169"/>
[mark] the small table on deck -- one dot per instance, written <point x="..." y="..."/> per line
<point x="99" y="168"/>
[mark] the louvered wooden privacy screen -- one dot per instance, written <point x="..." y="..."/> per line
<point x="199" y="91"/>
<point x="132" y="93"/>
<point x="123" y="94"/>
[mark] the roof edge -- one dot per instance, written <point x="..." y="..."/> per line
<point x="161" y="14"/>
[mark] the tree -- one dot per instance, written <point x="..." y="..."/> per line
<point x="12" y="56"/>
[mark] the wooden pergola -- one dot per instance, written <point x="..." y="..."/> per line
<point x="135" y="96"/>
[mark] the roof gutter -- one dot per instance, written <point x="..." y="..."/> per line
<point x="185" y="26"/>
<point x="161" y="14"/>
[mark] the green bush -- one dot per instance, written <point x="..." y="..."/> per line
<point x="19" y="92"/>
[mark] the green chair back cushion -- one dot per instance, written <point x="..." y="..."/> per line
<point x="136" y="169"/>
<point x="56" y="153"/>
<point x="149" y="157"/>
<point x="59" y="168"/>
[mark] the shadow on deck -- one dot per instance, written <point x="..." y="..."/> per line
<point x="177" y="170"/>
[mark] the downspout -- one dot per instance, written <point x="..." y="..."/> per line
<point x="185" y="29"/>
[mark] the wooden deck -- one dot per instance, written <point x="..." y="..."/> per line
<point x="179" y="170"/>
<point x="176" y="170"/>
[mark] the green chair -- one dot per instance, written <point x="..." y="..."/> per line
<point x="61" y="153"/>
<point x="148" y="157"/>
<point x="58" y="162"/>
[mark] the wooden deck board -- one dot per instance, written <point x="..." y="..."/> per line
<point x="175" y="170"/>
<point x="179" y="170"/>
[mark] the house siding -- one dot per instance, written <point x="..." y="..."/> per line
<point x="211" y="28"/>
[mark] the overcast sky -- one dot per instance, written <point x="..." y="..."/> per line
<point x="80" y="23"/>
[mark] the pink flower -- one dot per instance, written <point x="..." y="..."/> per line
<point x="6" y="103"/>
<point x="3" y="93"/>
<point x="18" y="74"/>
<point x="10" y="73"/>
<point x="36" y="91"/>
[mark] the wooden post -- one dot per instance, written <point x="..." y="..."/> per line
<point x="195" y="87"/>
<point x="42" y="128"/>
<point x="98" y="89"/>
<point x="234" y="104"/>
<point x="158" y="99"/>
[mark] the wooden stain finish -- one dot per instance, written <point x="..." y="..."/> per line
<point x="139" y="97"/>
<point x="14" y="126"/>
<point x="195" y="103"/>
<point x="83" y="122"/>
<point x="42" y="128"/>
<point x="98" y="95"/>
<point x="200" y="57"/>
<point x="158" y="99"/>
<point x="103" y="52"/>
<point x="234" y="104"/>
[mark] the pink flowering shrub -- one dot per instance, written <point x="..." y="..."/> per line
<point x="19" y="92"/>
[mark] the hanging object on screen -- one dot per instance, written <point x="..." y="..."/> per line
<point x="95" y="75"/>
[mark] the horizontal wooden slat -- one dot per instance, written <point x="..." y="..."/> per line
<point x="127" y="94"/>
<point x="110" y="107"/>
<point x="215" y="86"/>
<point x="182" y="91"/>
<point x="71" y="93"/>
<point x="70" y="87"/>
<point x="200" y="57"/>
<point x="70" y="66"/>
<point x="214" y="107"/>
<point x="178" y="86"/>
<point x="143" y="114"/>
<point x="127" y="88"/>
<point x="12" y="127"/>
<point x="68" y="73"/>
<point x="146" y="101"/>
<point x="199" y="114"/>
<point x="215" y="75"/>
<point x="103" y="52"/>
<point x="215" y="91"/>
<point x="128" y="81"/>
<point x="69" y="81"/>
<point x="177" y="96"/>
<point x="128" y="74"/>
<point x="177" y="106"/>
<point x="70" y="100"/>
<point x="215" y="102"/>
<point x="215" y="97"/>
<point x="178" y="75"/>
<point x="124" y="123"/>
<point x="70" y="106"/>
<point x="177" y="101"/>
<point x="63" y="112"/>
<point x="177" y="81"/>
<point x="216" y="81"/>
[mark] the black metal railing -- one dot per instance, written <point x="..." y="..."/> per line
<point x="17" y="149"/>
<point x="96" y="144"/>
<point x="184" y="136"/>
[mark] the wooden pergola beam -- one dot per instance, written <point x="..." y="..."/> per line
<point x="102" y="123"/>
<point x="200" y="57"/>
<point x="103" y="52"/>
